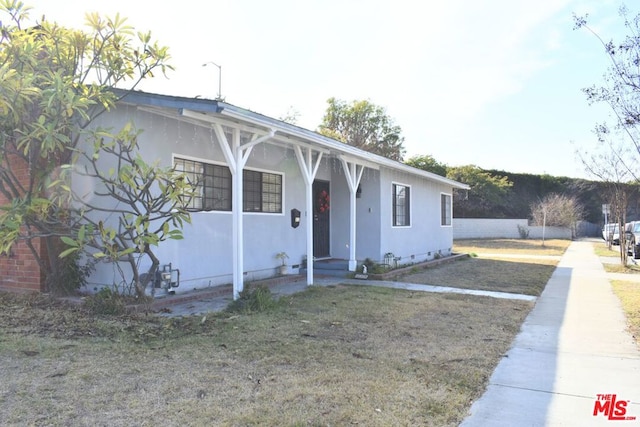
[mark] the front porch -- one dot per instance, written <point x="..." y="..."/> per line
<point x="334" y="267"/>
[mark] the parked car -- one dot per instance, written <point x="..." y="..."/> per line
<point x="611" y="231"/>
<point x="632" y="234"/>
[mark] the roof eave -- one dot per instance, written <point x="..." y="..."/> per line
<point x="230" y="110"/>
<point x="282" y="127"/>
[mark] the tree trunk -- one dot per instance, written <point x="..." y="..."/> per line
<point x="141" y="282"/>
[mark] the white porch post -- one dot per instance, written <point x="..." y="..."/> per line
<point x="238" y="224"/>
<point x="309" y="168"/>
<point x="353" y="174"/>
<point x="236" y="155"/>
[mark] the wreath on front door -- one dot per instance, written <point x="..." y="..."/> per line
<point x="323" y="201"/>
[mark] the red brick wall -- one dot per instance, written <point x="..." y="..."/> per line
<point x="19" y="271"/>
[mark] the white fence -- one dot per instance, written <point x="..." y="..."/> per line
<point x="484" y="228"/>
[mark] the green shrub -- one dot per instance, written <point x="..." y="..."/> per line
<point x="106" y="302"/>
<point x="369" y="263"/>
<point x="379" y="268"/>
<point x="70" y="275"/>
<point x="523" y="232"/>
<point x="253" y="300"/>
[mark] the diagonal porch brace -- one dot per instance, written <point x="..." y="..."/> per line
<point x="236" y="155"/>
<point x="353" y="174"/>
<point x="309" y="168"/>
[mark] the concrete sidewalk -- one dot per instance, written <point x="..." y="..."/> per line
<point x="572" y="347"/>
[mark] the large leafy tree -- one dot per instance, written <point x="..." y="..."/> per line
<point x="54" y="83"/>
<point x="486" y="196"/>
<point x="363" y="125"/>
<point x="147" y="201"/>
<point x="427" y="163"/>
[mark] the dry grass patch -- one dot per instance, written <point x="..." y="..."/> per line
<point x="519" y="276"/>
<point x="526" y="275"/>
<point x="512" y="246"/>
<point x="328" y="356"/>
<point x="619" y="268"/>
<point x="601" y="249"/>
<point x="629" y="294"/>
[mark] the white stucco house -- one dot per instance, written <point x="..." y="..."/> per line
<point x="257" y="173"/>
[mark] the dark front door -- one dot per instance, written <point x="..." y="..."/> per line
<point x="321" y="214"/>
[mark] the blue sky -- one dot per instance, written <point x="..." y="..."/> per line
<point x="495" y="83"/>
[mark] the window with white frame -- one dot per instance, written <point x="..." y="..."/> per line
<point x="213" y="184"/>
<point x="445" y="209"/>
<point x="262" y="191"/>
<point x="401" y="199"/>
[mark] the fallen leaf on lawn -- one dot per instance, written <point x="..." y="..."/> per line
<point x="57" y="374"/>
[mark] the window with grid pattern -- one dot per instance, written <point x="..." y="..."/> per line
<point x="262" y="192"/>
<point x="401" y="205"/>
<point x="213" y="184"/>
<point x="445" y="209"/>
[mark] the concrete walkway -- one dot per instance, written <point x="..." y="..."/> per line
<point x="439" y="289"/>
<point x="572" y="347"/>
<point x="203" y="303"/>
<point x="518" y="256"/>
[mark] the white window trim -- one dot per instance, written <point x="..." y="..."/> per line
<point x="410" y="205"/>
<point x="196" y="159"/>
<point x="450" y="210"/>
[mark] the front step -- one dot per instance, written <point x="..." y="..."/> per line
<point x="329" y="267"/>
